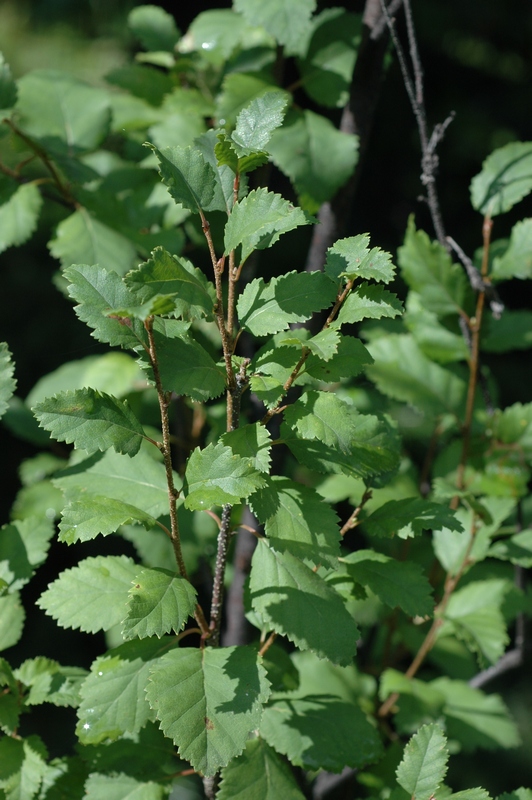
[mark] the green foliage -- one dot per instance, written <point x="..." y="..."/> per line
<point x="249" y="396"/>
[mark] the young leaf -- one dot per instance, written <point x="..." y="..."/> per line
<point x="505" y="178"/>
<point x="424" y="763"/>
<point x="91" y="420"/>
<point x="296" y="602"/>
<point x="257" y="121"/>
<point x="269" y="308"/>
<point x="113" y="699"/>
<point x="139" y="481"/>
<point x="91" y="596"/>
<point x="369" y="302"/>
<point x="208" y="701"/>
<point x="215" y="476"/>
<point x="88" y="515"/>
<point x="97" y="291"/>
<point x="83" y="239"/>
<point x="419" y="514"/>
<point x="297" y="520"/>
<point x="316" y="156"/>
<point x="402" y="371"/>
<point x="251" y="441"/>
<point x="396" y="583"/>
<point x="288" y="21"/>
<point x="352" y="258"/>
<point x="259" y="219"/>
<point x="349" y="360"/>
<point x="7" y="382"/>
<point x="476" y="719"/>
<point x="159" y="602"/>
<point x="19" y="216"/>
<point x="185" y="367"/>
<point x="154" y="27"/>
<point x="261" y="771"/>
<point x="320" y="732"/>
<point x="169" y="275"/>
<point x="517" y="260"/>
<point x="428" y="269"/>
<point x="189" y="177"/>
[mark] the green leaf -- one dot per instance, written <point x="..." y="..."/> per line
<point x="424" y="763"/>
<point x="517" y="260"/>
<point x="23" y="547"/>
<point x="253" y="442"/>
<point x="269" y="308"/>
<point x="86" y="517"/>
<point x="476" y="719"/>
<point x="352" y="258"/>
<point x="517" y="549"/>
<point x="288" y="21"/>
<point x="91" y="420"/>
<point x="208" y="701"/>
<point x="259" y="219"/>
<point x="257" y="121"/>
<point x="316" y="156"/>
<point x="8" y="87"/>
<point x="209" y="144"/>
<point x="154" y="27"/>
<point x="24" y="764"/>
<point x="49" y="682"/>
<point x="513" y="331"/>
<point x="122" y="786"/>
<point x="299" y="604"/>
<point x="369" y="302"/>
<point x="415" y="512"/>
<point x="320" y="732"/>
<point x="506" y="178"/>
<point x="475" y="616"/>
<point x="97" y="291"/>
<point x="349" y="360"/>
<point x="324" y="345"/>
<point x="7" y="382"/>
<point x="164" y="274"/>
<point x="11" y="620"/>
<point x="402" y="372"/>
<point x="238" y="90"/>
<point x="189" y="177"/>
<point x="160" y="602"/>
<point x="326" y="433"/>
<point x="83" y="239"/>
<point x="216" y="476"/>
<point x="216" y="33"/>
<point x="396" y="583"/>
<point x="91" y="596"/>
<point x="297" y="521"/>
<point x="261" y="772"/>
<point x="146" y="82"/>
<point x="185" y="367"/>
<point x="59" y="109"/>
<point x="434" y="339"/>
<point x="19" y="216"/>
<point x="113" y="700"/>
<point x="428" y="269"/>
<point x="327" y="66"/>
<point x="139" y="481"/>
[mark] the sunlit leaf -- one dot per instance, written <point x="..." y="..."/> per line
<point x="159" y="602"/>
<point x="424" y="763"/>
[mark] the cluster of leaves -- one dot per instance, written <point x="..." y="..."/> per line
<point x="231" y="345"/>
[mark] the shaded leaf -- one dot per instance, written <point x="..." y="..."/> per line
<point x="159" y="602"/>
<point x="260" y="771"/>
<point x="91" y="420"/>
<point x="12" y="618"/>
<point x="349" y="360"/>
<point x="505" y="178"/>
<point x="251" y="441"/>
<point x="288" y="21"/>
<point x="475" y="616"/>
<point x="91" y="596"/>
<point x="419" y="514"/>
<point x="89" y="515"/>
<point x="513" y="331"/>
<point x="297" y="602"/>
<point x="396" y="583"/>
<point x="83" y="239"/>
<point x="19" y="215"/>
<point x="8" y="87"/>
<point x="23" y="547"/>
<point x="154" y="27"/>
<point x="216" y="476"/>
<point x="7" y="382"/>
<point x="122" y="786"/>
<point x="208" y="701"/>
<point x="516" y="262"/>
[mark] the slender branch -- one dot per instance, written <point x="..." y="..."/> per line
<point x="219" y="575"/>
<point x="268" y="643"/>
<point x="352" y="522"/>
<point x="477" y="282"/>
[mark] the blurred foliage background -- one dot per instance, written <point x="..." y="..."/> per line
<point x="477" y="57"/>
